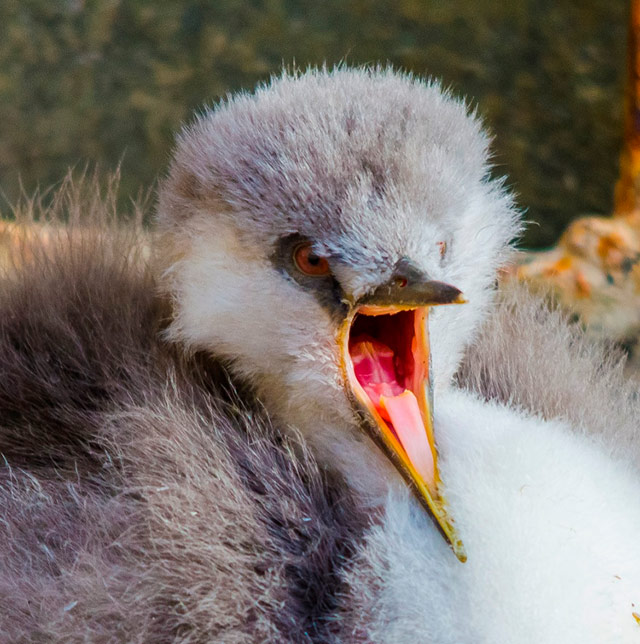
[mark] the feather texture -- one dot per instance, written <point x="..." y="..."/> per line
<point x="142" y="499"/>
<point x="148" y="495"/>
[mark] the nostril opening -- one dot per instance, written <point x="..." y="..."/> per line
<point x="401" y="281"/>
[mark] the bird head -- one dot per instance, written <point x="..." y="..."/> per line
<point x="321" y="236"/>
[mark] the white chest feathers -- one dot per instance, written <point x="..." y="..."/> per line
<point x="551" y="524"/>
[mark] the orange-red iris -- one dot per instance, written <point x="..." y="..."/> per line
<point x="309" y="263"/>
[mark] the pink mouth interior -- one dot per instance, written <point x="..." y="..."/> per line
<point x="384" y="351"/>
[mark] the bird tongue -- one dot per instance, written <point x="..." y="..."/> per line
<point x="375" y="367"/>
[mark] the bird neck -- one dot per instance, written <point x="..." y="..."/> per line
<point x="334" y="436"/>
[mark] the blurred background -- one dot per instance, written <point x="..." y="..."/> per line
<point x="111" y="80"/>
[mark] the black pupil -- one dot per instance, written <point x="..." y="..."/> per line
<point x="313" y="259"/>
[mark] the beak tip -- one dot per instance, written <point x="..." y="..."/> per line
<point x="458" y="549"/>
<point x="446" y="526"/>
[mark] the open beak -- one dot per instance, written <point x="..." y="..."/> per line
<point x="385" y="358"/>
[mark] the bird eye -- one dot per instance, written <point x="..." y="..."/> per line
<point x="308" y="262"/>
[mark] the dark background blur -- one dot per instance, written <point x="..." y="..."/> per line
<point x="106" y="80"/>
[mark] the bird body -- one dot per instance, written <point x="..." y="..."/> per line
<point x="143" y="498"/>
<point x="549" y="525"/>
<point x="188" y="451"/>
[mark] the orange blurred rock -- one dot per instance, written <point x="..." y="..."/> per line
<point x="14" y="237"/>
<point x="593" y="271"/>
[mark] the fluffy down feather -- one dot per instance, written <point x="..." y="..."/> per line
<point x="540" y="455"/>
<point x="142" y="499"/>
<point x="584" y="384"/>
<point x="147" y="496"/>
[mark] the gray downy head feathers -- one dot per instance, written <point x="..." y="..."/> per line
<point x="371" y="165"/>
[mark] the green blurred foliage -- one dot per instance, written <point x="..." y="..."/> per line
<point x="105" y="80"/>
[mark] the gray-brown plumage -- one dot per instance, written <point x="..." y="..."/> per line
<point x="181" y="463"/>
<point x="585" y="382"/>
<point x="144" y="496"/>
